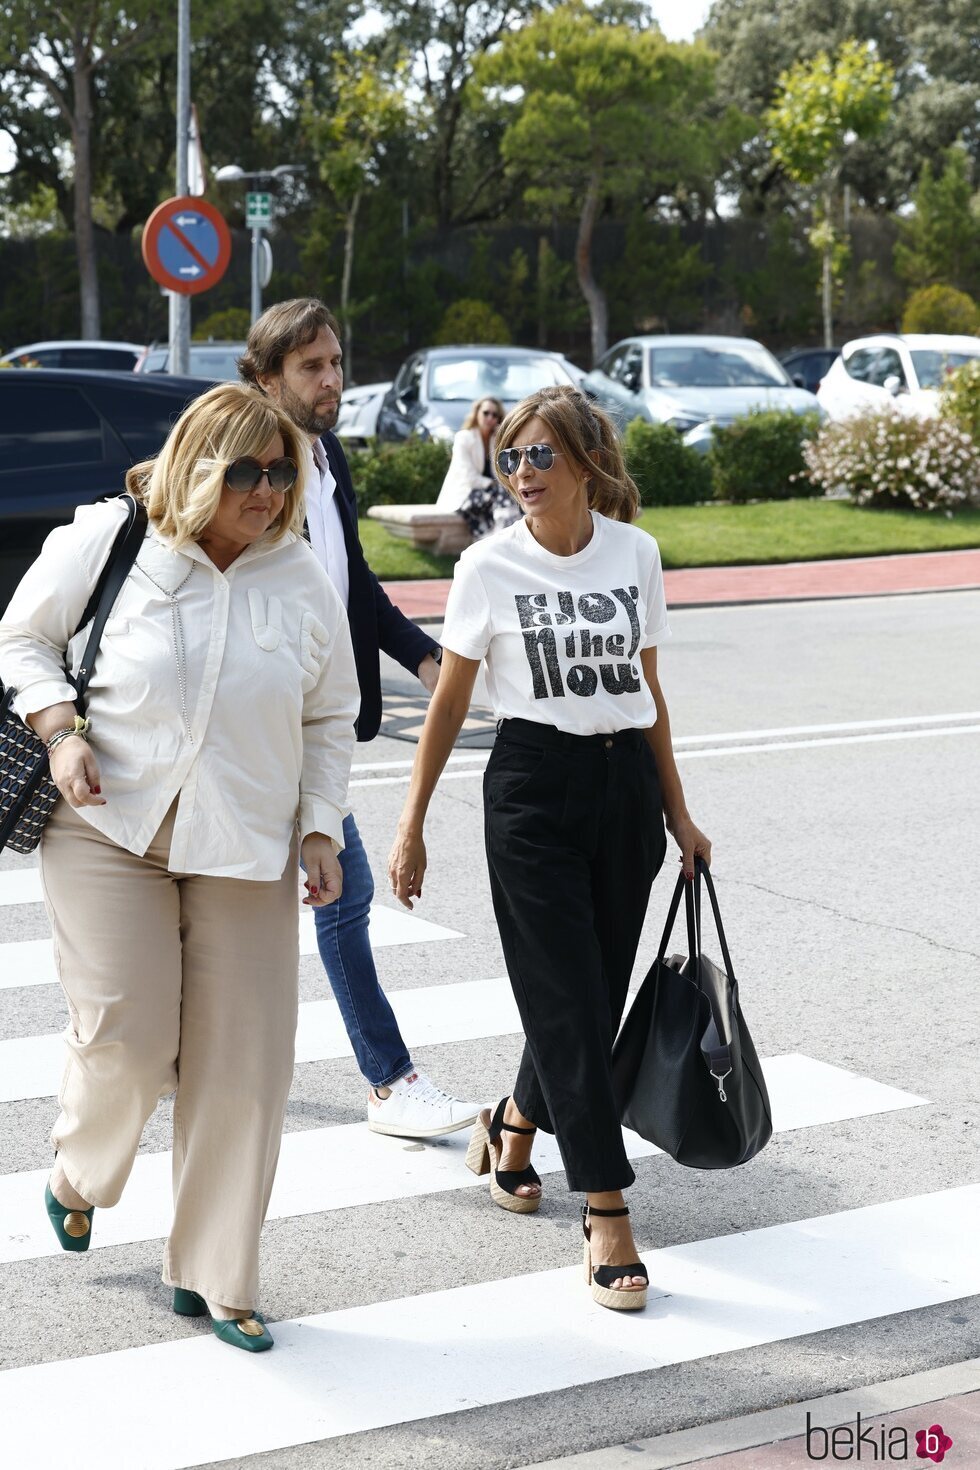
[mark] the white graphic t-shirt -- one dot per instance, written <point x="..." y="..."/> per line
<point x="562" y="635"/>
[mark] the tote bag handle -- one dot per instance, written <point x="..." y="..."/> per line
<point x="717" y="1040"/>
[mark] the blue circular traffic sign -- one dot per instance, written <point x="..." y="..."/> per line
<point x="186" y="245"/>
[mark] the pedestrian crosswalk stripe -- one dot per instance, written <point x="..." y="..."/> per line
<point x="31" y="1066"/>
<point x="339" y="1168"/>
<point x="20" y="885"/>
<point x="175" y="1405"/>
<point x="28" y="962"/>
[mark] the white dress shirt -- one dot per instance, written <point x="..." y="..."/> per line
<point x="270" y="692"/>
<point x="325" y="526"/>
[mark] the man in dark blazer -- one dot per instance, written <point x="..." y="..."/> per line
<point x="293" y="354"/>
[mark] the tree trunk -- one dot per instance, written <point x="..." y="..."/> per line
<point x="350" y="224"/>
<point x="594" y="295"/>
<point x="827" y="292"/>
<point x="91" y="326"/>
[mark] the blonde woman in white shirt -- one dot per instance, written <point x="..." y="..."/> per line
<point x="470" y="486"/>
<point x="567" y="609"/>
<point x="221" y="710"/>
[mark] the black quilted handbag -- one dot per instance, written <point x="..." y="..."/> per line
<point x="27" y="793"/>
<point x="685" y="1071"/>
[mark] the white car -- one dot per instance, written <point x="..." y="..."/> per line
<point x="92" y="356"/>
<point x="906" y="371"/>
<point x="357" y="421"/>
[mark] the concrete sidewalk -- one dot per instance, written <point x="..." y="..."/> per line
<point x="798" y="581"/>
<point x="943" y="1403"/>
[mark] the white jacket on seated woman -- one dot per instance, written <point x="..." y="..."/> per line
<point x="466" y="469"/>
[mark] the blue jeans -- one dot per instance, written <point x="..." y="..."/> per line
<point x="345" y="949"/>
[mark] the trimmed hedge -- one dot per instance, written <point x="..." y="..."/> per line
<point x="760" y="456"/>
<point x="399" y="474"/>
<point x="666" y="471"/>
<point x="941" y="308"/>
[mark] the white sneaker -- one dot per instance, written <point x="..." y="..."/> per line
<point x="417" y="1108"/>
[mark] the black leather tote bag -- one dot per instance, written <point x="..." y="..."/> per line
<point x="685" y="1071"/>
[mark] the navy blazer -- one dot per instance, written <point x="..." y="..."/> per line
<point x="375" y="621"/>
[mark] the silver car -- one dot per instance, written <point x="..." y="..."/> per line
<point x="215" y="360"/>
<point x="357" y="422"/>
<point x="693" y="383"/>
<point x="435" y="387"/>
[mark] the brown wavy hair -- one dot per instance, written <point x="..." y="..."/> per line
<point x="588" y="439"/>
<point x="278" y="332"/>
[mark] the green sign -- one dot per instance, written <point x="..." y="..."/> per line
<point x="258" y="210"/>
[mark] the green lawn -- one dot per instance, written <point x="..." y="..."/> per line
<point x="732" y="535"/>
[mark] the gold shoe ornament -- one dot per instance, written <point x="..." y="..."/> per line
<point x="76" y="1224"/>
<point x="250" y="1327"/>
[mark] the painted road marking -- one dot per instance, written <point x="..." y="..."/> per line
<point x="31" y="1066"/>
<point x="26" y="962"/>
<point x="338" y="1168"/>
<point x="446" y="1351"/>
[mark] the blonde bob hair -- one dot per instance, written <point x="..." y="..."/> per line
<point x="182" y="486"/>
<point x="471" y="419"/>
<point x="587" y="438"/>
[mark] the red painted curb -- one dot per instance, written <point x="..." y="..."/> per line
<point x="866" y="576"/>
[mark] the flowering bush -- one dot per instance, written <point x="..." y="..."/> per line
<point x="883" y="458"/>
<point x="960" y="398"/>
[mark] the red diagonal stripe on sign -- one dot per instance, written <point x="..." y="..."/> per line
<point x="189" y="246"/>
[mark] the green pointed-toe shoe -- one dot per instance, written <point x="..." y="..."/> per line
<point x="248" y="1333"/>
<point x="72" y="1227"/>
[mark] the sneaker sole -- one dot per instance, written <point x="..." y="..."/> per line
<point x="394" y="1130"/>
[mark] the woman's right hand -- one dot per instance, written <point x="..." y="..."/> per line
<point x="75" y="772"/>
<point x="406" y="865"/>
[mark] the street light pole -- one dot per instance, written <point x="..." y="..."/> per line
<point x="180" y="306"/>
<point x="232" y="173"/>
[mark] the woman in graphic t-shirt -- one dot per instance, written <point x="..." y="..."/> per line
<point x="567" y="608"/>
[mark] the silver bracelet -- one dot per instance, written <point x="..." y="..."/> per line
<point x="80" y="728"/>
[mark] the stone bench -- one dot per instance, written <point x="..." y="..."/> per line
<point x="443" y="532"/>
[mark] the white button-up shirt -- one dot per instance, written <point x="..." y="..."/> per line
<point x="325" y="526"/>
<point x="270" y="692"/>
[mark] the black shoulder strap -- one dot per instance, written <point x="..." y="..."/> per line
<point x="125" y="549"/>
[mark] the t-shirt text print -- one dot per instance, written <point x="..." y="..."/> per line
<point x="548" y="625"/>
<point x="562" y="636"/>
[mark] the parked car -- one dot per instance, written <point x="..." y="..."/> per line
<point x="216" y="361"/>
<point x="693" y="383"/>
<point x="808" y="366"/>
<point x="100" y="356"/>
<point x="906" y="371"/>
<point x="357" y="422"/>
<point x="434" y="388"/>
<point x="69" y="437"/>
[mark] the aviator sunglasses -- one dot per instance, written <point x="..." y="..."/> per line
<point x="539" y="457"/>
<point x="245" y="474"/>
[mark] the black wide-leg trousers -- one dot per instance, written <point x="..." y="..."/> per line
<point x="575" y="837"/>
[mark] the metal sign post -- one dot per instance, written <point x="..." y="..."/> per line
<point x="180" y="305"/>
<point x="258" y="214"/>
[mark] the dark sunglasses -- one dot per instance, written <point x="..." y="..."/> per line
<point x="539" y="457"/>
<point x="490" y="413"/>
<point x="245" y="474"/>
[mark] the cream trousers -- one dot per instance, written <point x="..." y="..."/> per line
<point x="175" y="982"/>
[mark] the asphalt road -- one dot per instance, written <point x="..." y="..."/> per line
<point x="831" y="752"/>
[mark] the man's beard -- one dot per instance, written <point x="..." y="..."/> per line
<point x="304" y="415"/>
